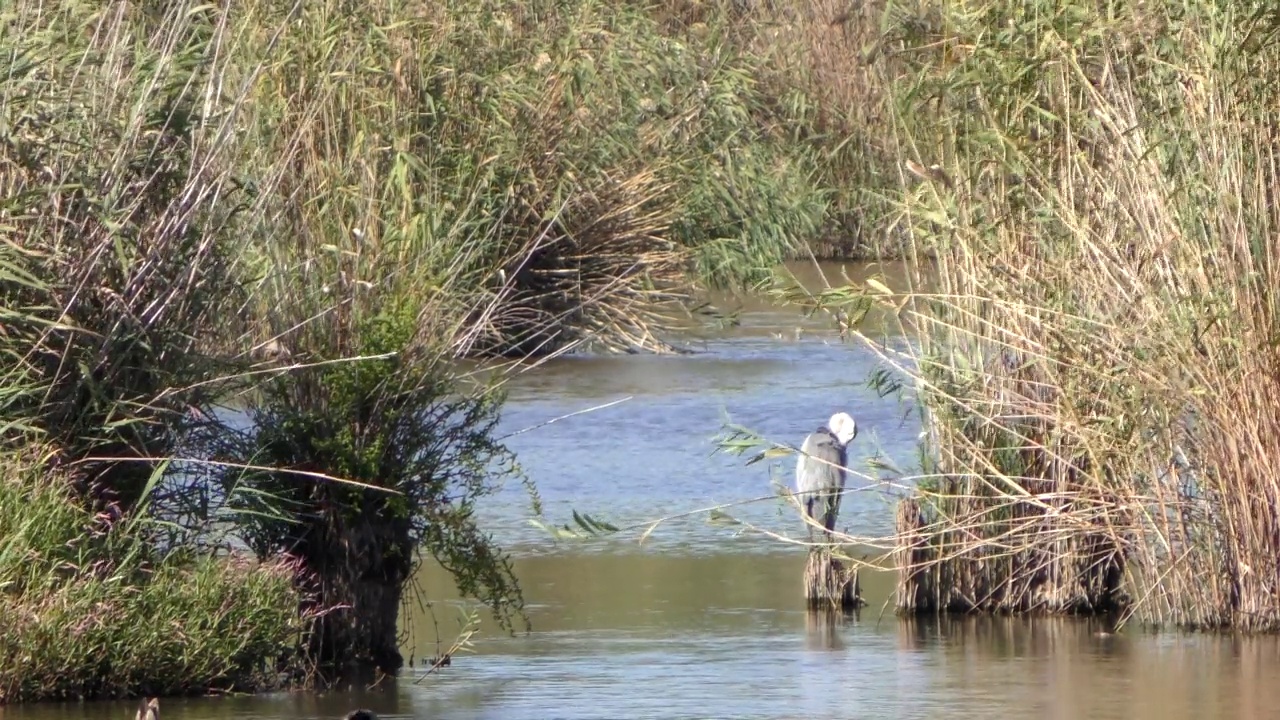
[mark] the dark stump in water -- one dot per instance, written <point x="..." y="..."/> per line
<point x="829" y="584"/>
<point x="148" y="709"/>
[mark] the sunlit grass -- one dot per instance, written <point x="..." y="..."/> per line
<point x="1097" y="366"/>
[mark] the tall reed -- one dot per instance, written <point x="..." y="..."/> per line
<point x="116" y="200"/>
<point x="1098" y="370"/>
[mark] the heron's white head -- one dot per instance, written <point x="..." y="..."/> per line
<point x="843" y="427"/>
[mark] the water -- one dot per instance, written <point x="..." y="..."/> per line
<point x="653" y="453"/>
<point x="701" y="622"/>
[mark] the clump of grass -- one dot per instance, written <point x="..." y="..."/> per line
<point x="84" y="612"/>
<point x="1096" y="366"/>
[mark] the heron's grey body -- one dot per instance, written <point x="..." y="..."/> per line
<point x="820" y="470"/>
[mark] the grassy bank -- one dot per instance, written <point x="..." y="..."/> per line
<point x="312" y="213"/>
<point x="1098" y="367"/>
<point x="89" y="608"/>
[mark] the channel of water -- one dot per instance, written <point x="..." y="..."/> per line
<point x="703" y="621"/>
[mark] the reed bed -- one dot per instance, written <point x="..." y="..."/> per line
<point x="557" y="175"/>
<point x="308" y="212"/>
<point x="1097" y="367"/>
<point x="825" y="85"/>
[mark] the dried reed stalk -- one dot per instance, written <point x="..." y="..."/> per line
<point x="1098" y="364"/>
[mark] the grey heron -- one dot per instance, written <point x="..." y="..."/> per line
<point x="820" y="470"/>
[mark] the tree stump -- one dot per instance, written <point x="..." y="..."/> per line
<point x="829" y="584"/>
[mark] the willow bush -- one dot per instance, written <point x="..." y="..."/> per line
<point x="1097" y="365"/>
<point x="373" y="404"/>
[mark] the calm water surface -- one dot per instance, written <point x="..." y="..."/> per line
<point x="700" y="622"/>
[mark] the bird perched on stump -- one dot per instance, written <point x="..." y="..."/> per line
<point x="820" y="470"/>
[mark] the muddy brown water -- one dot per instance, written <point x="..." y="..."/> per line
<point x="702" y="621"/>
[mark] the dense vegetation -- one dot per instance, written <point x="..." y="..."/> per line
<point x="1097" y="359"/>
<point x="87" y="611"/>
<point x="243" y="248"/>
<point x="244" y="244"/>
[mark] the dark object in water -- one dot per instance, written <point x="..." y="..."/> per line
<point x="829" y="584"/>
<point x="361" y="714"/>
<point x="148" y="709"/>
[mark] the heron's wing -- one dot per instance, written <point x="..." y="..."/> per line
<point x="818" y="468"/>
<point x="804" y="475"/>
<point x="842" y="461"/>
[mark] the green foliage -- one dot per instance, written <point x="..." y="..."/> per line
<point x="84" y="613"/>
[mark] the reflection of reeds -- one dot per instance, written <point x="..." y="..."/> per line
<point x="822" y="629"/>
<point x="1063" y="664"/>
<point x="1098" y="365"/>
<point x="1000" y="636"/>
